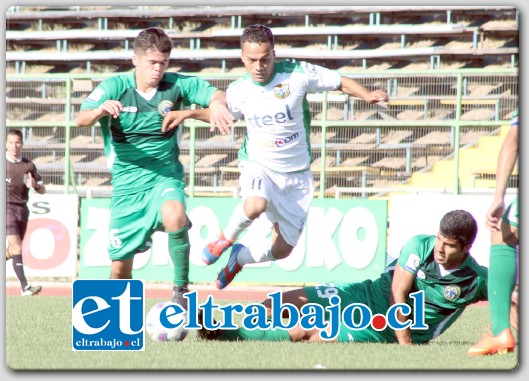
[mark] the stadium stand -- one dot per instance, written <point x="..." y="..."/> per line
<point x="207" y="37"/>
<point x="354" y="144"/>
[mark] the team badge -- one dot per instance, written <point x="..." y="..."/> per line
<point x="452" y="292"/>
<point x="282" y="91"/>
<point x="164" y="107"/>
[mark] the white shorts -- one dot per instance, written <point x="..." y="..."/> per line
<point x="288" y="196"/>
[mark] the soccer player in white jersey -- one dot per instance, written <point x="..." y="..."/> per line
<point x="276" y="155"/>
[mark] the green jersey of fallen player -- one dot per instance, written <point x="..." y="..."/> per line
<point x="446" y="292"/>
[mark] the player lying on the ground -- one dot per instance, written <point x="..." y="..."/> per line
<point x="440" y="266"/>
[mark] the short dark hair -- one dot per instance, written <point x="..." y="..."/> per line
<point x="152" y="39"/>
<point x="460" y="225"/>
<point x="258" y="34"/>
<point x="14" y="131"/>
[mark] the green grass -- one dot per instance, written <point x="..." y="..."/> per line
<point x="45" y="323"/>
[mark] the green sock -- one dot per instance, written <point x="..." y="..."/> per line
<point x="502" y="279"/>
<point x="179" y="252"/>
<point x="254" y="335"/>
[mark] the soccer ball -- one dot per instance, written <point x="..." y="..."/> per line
<point x="157" y="331"/>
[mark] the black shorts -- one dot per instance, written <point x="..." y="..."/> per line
<point x="17" y="216"/>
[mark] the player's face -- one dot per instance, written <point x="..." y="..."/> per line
<point x="14" y="146"/>
<point x="449" y="252"/>
<point x="258" y="59"/>
<point x="150" y="68"/>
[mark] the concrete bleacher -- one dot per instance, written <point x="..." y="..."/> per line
<point x="330" y="35"/>
<point x="207" y="37"/>
<point x="79" y="39"/>
<point x="363" y="160"/>
<point x="92" y="170"/>
<point x="21" y="15"/>
<point x="396" y="152"/>
<point x="32" y="36"/>
<point x="123" y="57"/>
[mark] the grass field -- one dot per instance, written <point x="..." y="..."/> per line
<point x="45" y="323"/>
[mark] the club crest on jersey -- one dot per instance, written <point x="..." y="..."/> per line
<point x="452" y="292"/>
<point x="164" y="107"/>
<point x="282" y="91"/>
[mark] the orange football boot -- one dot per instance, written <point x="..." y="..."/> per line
<point x="214" y="250"/>
<point x="491" y="345"/>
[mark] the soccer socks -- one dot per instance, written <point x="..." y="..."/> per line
<point x="254" y="335"/>
<point x="237" y="223"/>
<point x="18" y="266"/>
<point x="502" y="279"/>
<point x="246" y="256"/>
<point x="179" y="248"/>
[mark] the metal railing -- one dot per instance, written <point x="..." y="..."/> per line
<point x="354" y="144"/>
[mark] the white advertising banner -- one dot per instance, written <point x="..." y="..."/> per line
<point x="342" y="240"/>
<point x="50" y="244"/>
<point x="421" y="214"/>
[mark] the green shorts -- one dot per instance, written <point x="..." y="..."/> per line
<point x="350" y="293"/>
<point x="135" y="217"/>
<point x="512" y="214"/>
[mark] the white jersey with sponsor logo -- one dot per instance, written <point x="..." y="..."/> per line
<point x="277" y="114"/>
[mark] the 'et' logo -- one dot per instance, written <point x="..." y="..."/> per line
<point x="108" y="315"/>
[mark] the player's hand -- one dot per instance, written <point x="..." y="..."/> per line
<point x="220" y="118"/>
<point x="404" y="337"/>
<point x="111" y="107"/>
<point x="377" y="96"/>
<point x="494" y="215"/>
<point x="172" y="120"/>
<point x="30" y="181"/>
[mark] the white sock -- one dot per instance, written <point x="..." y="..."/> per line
<point x="237" y="223"/>
<point x="246" y="256"/>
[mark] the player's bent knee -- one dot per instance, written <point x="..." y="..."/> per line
<point x="120" y="275"/>
<point x="174" y="218"/>
<point x="280" y="249"/>
<point x="254" y="207"/>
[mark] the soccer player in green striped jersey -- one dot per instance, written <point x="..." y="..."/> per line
<point x="139" y="113"/>
<point x="439" y="265"/>
<point x="504" y="226"/>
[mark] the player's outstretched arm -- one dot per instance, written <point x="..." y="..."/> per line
<point x="354" y="88"/>
<point x="174" y="118"/>
<point x="220" y="117"/>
